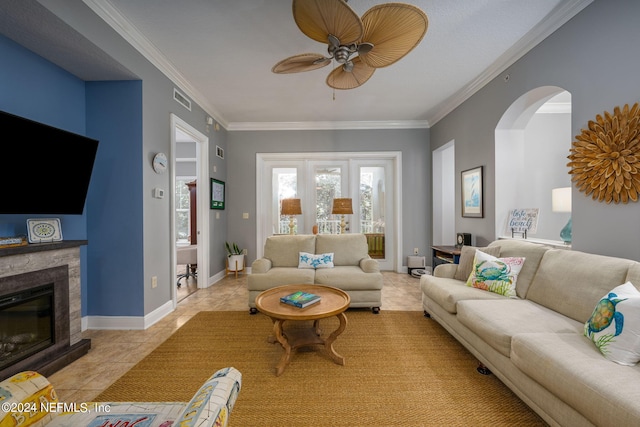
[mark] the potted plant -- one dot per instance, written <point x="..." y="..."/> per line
<point x="235" y="258"/>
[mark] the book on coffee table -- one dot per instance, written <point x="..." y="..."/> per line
<point x="300" y="299"/>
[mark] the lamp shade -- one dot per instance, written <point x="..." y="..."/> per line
<point x="342" y="207"/>
<point x="291" y="207"/>
<point x="561" y="199"/>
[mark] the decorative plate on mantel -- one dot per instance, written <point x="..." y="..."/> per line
<point x="43" y="230"/>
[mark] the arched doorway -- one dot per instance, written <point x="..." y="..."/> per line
<point x="532" y="142"/>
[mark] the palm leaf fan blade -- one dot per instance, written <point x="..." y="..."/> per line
<point x="394" y="29"/>
<point x="343" y="80"/>
<point x="319" y="18"/>
<point x="300" y="63"/>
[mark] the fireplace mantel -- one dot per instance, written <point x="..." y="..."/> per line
<point x="42" y="256"/>
<point x="40" y="247"/>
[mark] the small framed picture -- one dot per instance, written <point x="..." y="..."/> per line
<point x="44" y="230"/>
<point x="217" y="194"/>
<point x="471" y="183"/>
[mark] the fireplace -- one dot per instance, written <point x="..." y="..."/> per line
<point x="26" y="324"/>
<point x="39" y="314"/>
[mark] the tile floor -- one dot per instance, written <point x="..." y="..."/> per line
<point x="114" y="352"/>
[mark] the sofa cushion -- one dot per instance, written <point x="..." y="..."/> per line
<point x="497" y="321"/>
<point x="307" y="260"/>
<point x="614" y="326"/>
<point x="533" y="252"/>
<point x="570" y="367"/>
<point x="283" y="250"/>
<point x="572" y="282"/>
<point x="348" y="277"/>
<point x="348" y="249"/>
<point x="467" y="255"/>
<point x="447" y="292"/>
<point x="498" y="275"/>
<point x="280" y="276"/>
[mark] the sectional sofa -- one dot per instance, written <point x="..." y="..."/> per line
<point x="542" y="341"/>
<point x="287" y="260"/>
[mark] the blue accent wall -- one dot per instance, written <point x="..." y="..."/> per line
<point x="111" y="112"/>
<point x="33" y="87"/>
<point x="36" y="89"/>
<point x="114" y="204"/>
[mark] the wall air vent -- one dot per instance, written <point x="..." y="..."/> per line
<point x="182" y="99"/>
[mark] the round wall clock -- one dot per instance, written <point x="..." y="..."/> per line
<point x="160" y="163"/>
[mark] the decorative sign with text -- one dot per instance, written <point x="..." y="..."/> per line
<point x="521" y="220"/>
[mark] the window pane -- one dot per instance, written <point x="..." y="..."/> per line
<point x="372" y="200"/>
<point x="327" y="187"/>
<point x="183" y="202"/>
<point x="286" y="182"/>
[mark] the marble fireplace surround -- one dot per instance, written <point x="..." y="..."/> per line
<point x="47" y="258"/>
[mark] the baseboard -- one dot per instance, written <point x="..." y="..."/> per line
<point x="127" y="322"/>
<point x="142" y="322"/>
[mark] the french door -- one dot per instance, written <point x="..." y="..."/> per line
<point x="371" y="180"/>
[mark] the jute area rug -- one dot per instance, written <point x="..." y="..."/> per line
<point x="401" y="369"/>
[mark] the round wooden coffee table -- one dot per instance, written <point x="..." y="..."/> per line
<point x="334" y="302"/>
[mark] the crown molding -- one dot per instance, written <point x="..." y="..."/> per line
<point x="554" y="20"/>
<point x="134" y="37"/>
<point x="259" y="126"/>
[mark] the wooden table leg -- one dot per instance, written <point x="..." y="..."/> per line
<point x="305" y="337"/>
<point x="282" y="339"/>
<point x="328" y="344"/>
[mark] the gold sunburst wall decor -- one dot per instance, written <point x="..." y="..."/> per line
<point x="605" y="158"/>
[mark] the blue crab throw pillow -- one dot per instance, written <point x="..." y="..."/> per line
<point x="307" y="260"/>
<point x="614" y="326"/>
<point x="498" y="275"/>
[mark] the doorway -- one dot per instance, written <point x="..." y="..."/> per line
<point x="189" y="222"/>
<point x="444" y="190"/>
<point x="532" y="141"/>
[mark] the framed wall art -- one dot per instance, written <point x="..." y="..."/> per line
<point x="43" y="230"/>
<point x="217" y="194"/>
<point x="471" y="182"/>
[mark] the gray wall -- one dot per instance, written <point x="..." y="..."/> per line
<point x="593" y="57"/>
<point x="416" y="174"/>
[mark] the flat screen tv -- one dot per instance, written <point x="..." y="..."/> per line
<point x="43" y="170"/>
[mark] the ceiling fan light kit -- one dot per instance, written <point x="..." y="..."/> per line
<point x="384" y="35"/>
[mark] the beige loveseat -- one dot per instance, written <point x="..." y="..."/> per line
<point x="534" y="343"/>
<point x="354" y="270"/>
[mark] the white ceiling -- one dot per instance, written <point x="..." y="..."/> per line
<point x="220" y="54"/>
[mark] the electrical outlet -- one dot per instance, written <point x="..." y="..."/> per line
<point x="416" y="251"/>
<point x="154" y="282"/>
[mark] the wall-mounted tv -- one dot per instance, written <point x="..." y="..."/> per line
<point x="43" y="170"/>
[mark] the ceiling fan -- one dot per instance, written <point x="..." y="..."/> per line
<point x="384" y="35"/>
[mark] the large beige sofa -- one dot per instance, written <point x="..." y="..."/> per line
<point x="354" y="270"/>
<point x="535" y="343"/>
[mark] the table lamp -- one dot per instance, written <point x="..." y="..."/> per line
<point x="342" y="207"/>
<point x="291" y="207"/>
<point x="561" y="202"/>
